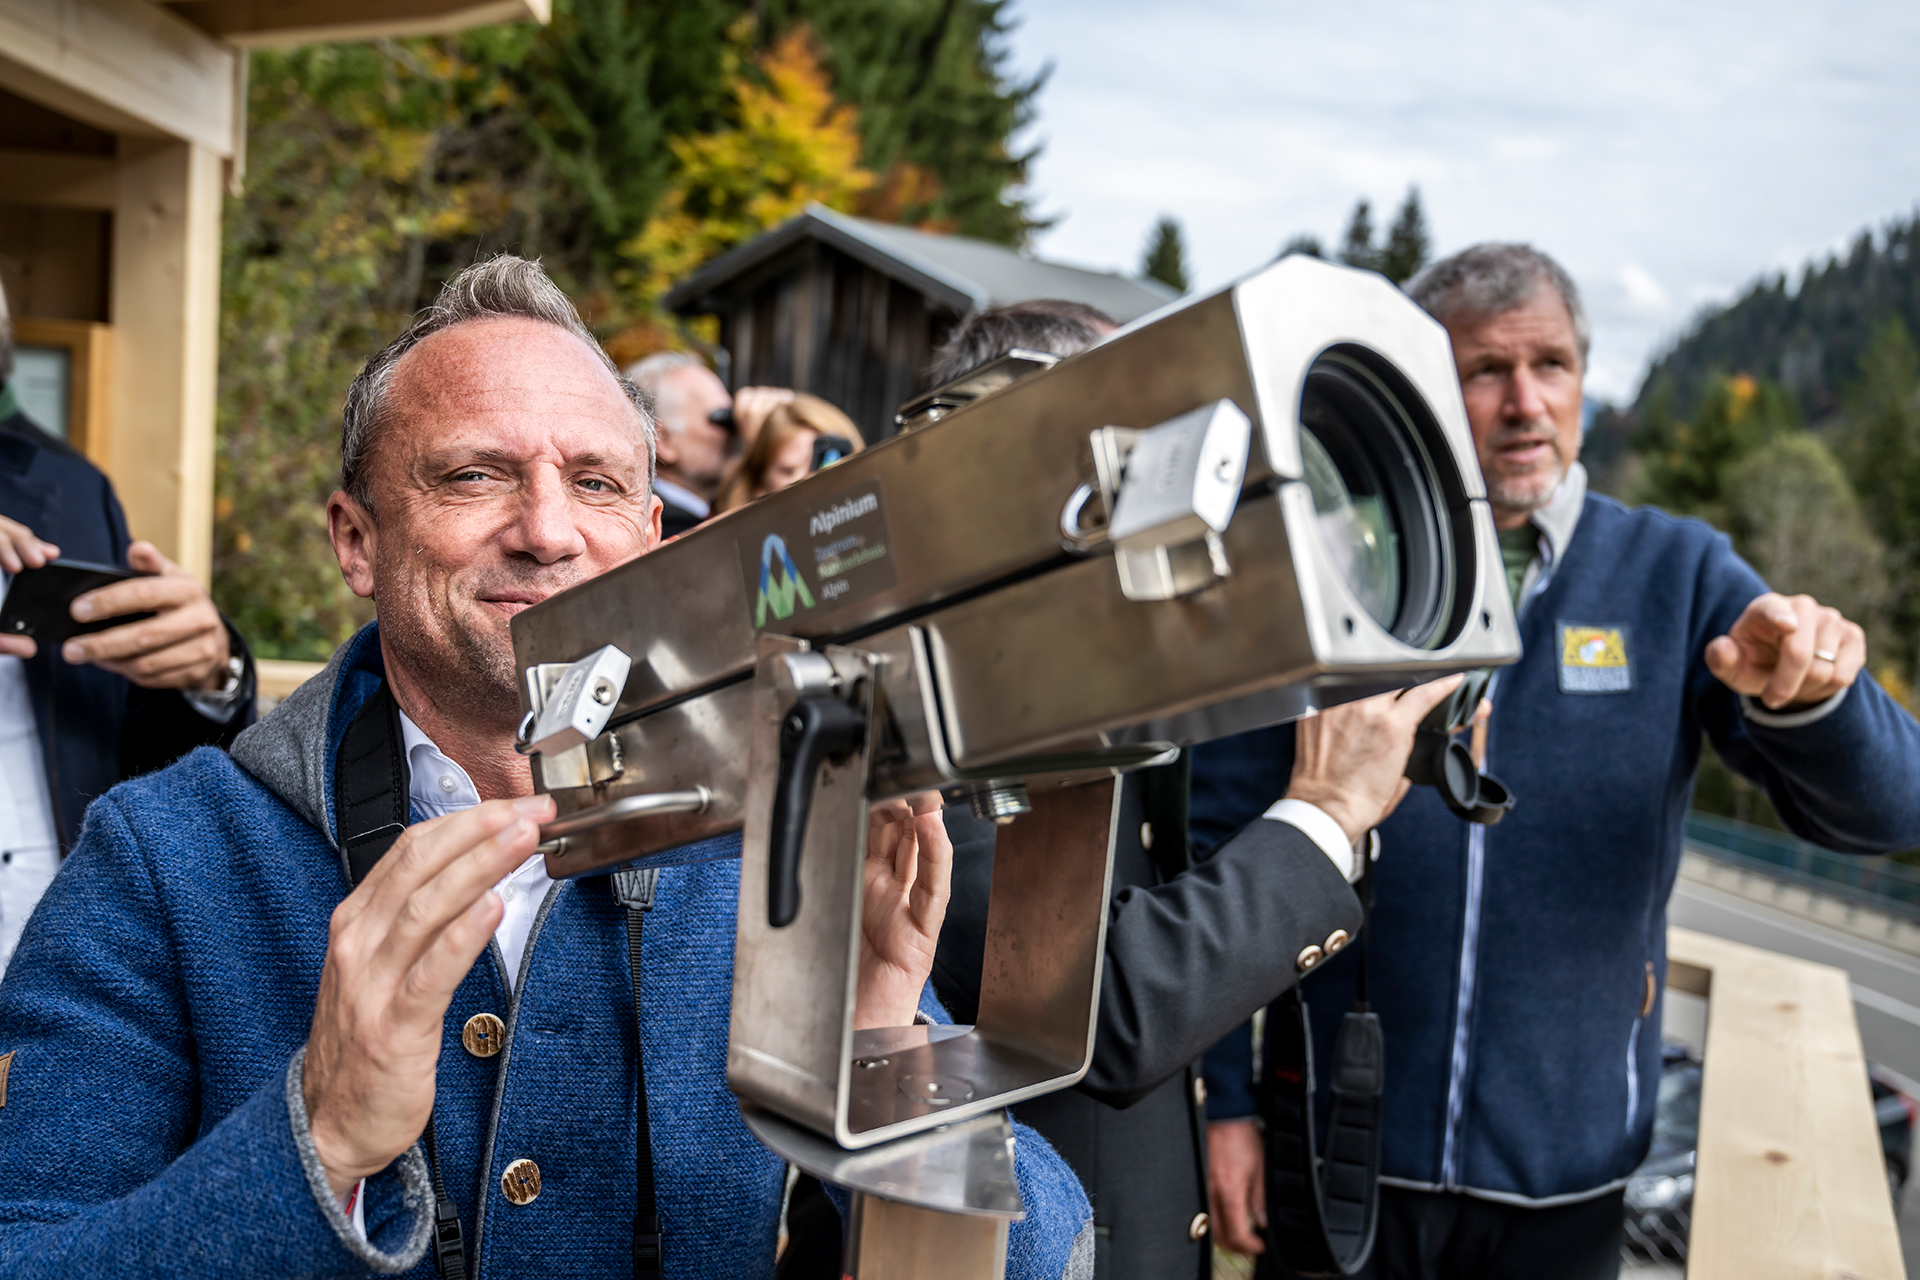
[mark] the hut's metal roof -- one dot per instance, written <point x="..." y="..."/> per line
<point x="955" y="271"/>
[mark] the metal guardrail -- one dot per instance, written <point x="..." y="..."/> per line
<point x="1880" y="883"/>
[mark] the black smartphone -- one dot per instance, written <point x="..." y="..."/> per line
<point x="39" y="602"/>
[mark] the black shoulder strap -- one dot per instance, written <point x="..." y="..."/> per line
<point x="370" y="806"/>
<point x="634" y="891"/>
<point x="370" y="810"/>
<point x="1321" y="1211"/>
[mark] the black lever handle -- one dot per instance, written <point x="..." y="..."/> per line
<point x="819" y="727"/>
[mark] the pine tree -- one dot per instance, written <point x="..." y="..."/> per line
<point x="1165" y="258"/>
<point x="1687" y="463"/>
<point x="1408" y="244"/>
<point x="788" y="145"/>
<point x="1880" y="433"/>
<point x="1306" y="242"/>
<point x="939" y="105"/>
<point x="1356" y="247"/>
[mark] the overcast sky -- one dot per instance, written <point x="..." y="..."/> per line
<point x="1667" y="153"/>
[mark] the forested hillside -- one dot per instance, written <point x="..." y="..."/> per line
<point x="1808" y="339"/>
<point x="622" y="144"/>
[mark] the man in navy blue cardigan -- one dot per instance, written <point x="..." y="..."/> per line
<point x="218" y="1056"/>
<point x="1518" y="970"/>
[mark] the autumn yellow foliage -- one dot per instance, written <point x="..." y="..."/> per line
<point x="788" y="145"/>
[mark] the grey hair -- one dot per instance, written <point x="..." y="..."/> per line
<point x="652" y="375"/>
<point x="1052" y="325"/>
<point x="1492" y="279"/>
<point x="502" y="287"/>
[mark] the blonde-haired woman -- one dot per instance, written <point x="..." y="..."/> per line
<point x="783" y="449"/>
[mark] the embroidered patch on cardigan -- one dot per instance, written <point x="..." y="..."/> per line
<point x="1594" y="659"/>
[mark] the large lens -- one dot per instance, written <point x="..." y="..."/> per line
<point x="1376" y="493"/>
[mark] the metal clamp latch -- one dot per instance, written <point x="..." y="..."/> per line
<point x="571" y="703"/>
<point x="1167" y="491"/>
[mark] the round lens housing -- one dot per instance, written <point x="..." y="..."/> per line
<point x="1379" y="500"/>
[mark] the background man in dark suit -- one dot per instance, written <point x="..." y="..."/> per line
<point x="110" y="705"/>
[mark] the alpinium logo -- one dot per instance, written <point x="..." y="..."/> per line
<point x="779" y="594"/>
<point x="826" y="521"/>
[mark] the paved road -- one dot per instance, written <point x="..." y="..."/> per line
<point x="1886" y="983"/>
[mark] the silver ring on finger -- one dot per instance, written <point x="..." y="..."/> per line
<point x="1827" y="656"/>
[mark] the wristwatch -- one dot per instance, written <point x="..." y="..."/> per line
<point x="236" y="672"/>
<point x="218" y="704"/>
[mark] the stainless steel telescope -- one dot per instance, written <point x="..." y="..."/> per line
<point x="1231" y="512"/>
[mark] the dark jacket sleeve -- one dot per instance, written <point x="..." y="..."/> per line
<point x="1235" y="780"/>
<point x="1847" y="780"/>
<point x="1189" y="960"/>
<point x="161" y="725"/>
<point x="1186" y="960"/>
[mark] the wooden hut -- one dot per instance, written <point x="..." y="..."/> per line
<point x="851" y="310"/>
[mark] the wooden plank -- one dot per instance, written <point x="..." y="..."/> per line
<point x="124" y="65"/>
<point x="1790" y="1178"/>
<point x="278" y="678"/>
<point x="56" y="180"/>
<point x="259" y="24"/>
<point x="166" y="319"/>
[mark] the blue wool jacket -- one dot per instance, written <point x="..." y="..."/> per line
<point x="157" y="1009"/>
<point x="1511" y="965"/>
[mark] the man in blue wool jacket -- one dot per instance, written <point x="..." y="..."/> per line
<point x="224" y="1032"/>
<point x="1518" y="970"/>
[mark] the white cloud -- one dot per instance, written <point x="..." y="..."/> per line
<point x="1667" y="154"/>
<point x="1643" y="291"/>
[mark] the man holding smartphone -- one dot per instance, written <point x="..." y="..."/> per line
<point x="77" y="718"/>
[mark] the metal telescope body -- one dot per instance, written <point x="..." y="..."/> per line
<point x="1232" y="512"/>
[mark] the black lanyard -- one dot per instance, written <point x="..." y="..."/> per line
<point x="371" y="802"/>
<point x="1321" y="1211"/>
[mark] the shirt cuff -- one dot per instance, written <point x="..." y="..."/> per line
<point x="1319" y="827"/>
<point x="1757" y="712"/>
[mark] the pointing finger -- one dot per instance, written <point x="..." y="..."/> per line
<point x="1418" y="701"/>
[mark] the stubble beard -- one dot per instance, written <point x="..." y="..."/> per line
<point x="1522" y="494"/>
<point x="456" y="647"/>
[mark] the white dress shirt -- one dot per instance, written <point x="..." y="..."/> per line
<point x="29" y="841"/>
<point x="439" y="786"/>
<point x="1320" y="828"/>
<point x="682" y="497"/>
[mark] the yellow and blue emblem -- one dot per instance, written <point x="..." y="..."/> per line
<point x="1594" y="660"/>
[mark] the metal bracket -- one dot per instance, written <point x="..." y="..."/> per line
<point x="572" y="702"/>
<point x="1165" y="494"/>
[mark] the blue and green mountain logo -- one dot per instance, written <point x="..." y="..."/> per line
<point x="779" y="595"/>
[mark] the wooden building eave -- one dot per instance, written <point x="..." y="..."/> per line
<point x="259" y="24"/>
<point x="707" y="290"/>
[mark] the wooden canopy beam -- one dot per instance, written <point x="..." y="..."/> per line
<point x="127" y="66"/>
<point x="256" y="24"/>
